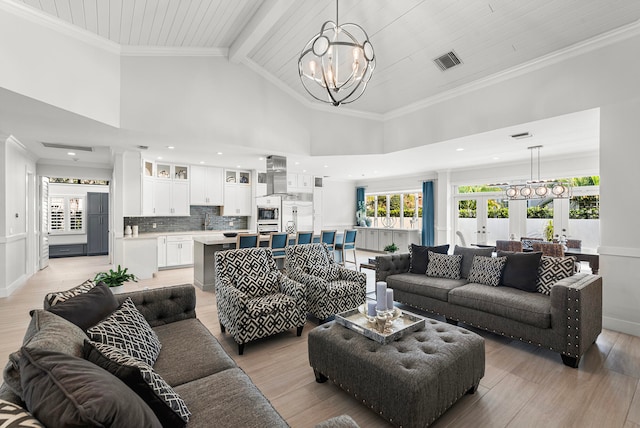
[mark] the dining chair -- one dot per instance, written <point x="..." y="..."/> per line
<point x="278" y="242"/>
<point x="463" y="241"/>
<point x="505" y="245"/>
<point x="348" y="244"/>
<point x="548" y="248"/>
<point x="329" y="238"/>
<point x="527" y="243"/>
<point x="247" y="240"/>
<point x="304" y="238"/>
<point x="574" y="243"/>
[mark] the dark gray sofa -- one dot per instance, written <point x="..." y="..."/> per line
<point x="194" y="363"/>
<point x="567" y="322"/>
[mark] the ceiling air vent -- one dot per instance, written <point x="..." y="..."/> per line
<point x="67" y="147"/>
<point x="522" y="135"/>
<point x="447" y="61"/>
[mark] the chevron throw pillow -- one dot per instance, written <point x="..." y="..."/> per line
<point x="552" y="270"/>
<point x="14" y="416"/>
<point x="127" y="330"/>
<point x="61" y="296"/>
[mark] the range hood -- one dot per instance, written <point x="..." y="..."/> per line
<point x="276" y="175"/>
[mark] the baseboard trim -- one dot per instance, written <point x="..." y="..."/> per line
<point x="6" y="292"/>
<point x="621" y="326"/>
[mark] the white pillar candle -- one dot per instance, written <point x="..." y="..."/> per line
<point x="389" y="299"/>
<point x="371" y="308"/>
<point x="381" y="295"/>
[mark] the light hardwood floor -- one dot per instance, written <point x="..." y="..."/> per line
<point x="523" y="386"/>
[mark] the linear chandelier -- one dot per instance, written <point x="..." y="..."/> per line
<point x="537" y="189"/>
<point x="335" y="66"/>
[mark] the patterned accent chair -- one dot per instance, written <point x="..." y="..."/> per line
<point x="254" y="299"/>
<point x="331" y="288"/>
<point x="504" y="245"/>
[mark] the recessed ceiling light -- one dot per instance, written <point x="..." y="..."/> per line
<point x="71" y="153"/>
<point x="219" y="153"/>
<point x="160" y="157"/>
<point x="201" y="162"/>
<point x="261" y="158"/>
<point x="238" y="166"/>
<point x="326" y="166"/>
<point x="459" y="149"/>
<point x="496" y="158"/>
<point x="304" y="170"/>
<point x="170" y="147"/>
<point x="297" y="163"/>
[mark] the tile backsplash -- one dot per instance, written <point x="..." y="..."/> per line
<point x="194" y="222"/>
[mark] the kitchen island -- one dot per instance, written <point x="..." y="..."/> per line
<point x="204" y="249"/>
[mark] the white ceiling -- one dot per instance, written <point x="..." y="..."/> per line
<point x="489" y="37"/>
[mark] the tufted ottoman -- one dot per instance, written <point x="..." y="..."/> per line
<point x="411" y="381"/>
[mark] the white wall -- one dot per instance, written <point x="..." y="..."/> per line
<point x="15" y="166"/>
<point x="338" y="204"/>
<point x="56" y="68"/>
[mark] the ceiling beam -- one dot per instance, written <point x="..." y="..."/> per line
<point x="264" y="19"/>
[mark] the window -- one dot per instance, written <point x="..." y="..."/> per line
<point x="396" y="210"/>
<point x="66" y="214"/>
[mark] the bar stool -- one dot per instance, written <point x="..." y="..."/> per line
<point x="304" y="238"/>
<point x="248" y="240"/>
<point x="329" y="238"/>
<point x="348" y="243"/>
<point x="278" y="241"/>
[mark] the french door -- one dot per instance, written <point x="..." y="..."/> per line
<point x="480" y="219"/>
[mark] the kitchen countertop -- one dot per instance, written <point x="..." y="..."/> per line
<point x="193" y="233"/>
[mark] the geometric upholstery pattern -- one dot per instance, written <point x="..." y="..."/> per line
<point x="325" y="298"/>
<point x="487" y="270"/>
<point x="552" y="270"/>
<point x="129" y="331"/>
<point x="269" y="302"/>
<point x="444" y="265"/>
<point x="61" y="296"/>
<point x="14" y="416"/>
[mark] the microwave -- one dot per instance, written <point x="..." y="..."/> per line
<point x="268" y="213"/>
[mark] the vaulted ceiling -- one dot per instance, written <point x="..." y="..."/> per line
<point x="490" y="37"/>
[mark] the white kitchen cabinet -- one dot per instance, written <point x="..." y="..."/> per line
<point x="162" y="251"/>
<point x="385" y="237"/>
<point x="179" y="250"/>
<point x="371" y="239"/>
<point x="361" y="239"/>
<point x="207" y="186"/>
<point x="261" y="184"/>
<point x="299" y="183"/>
<point x="403" y="238"/>
<point x="237" y="200"/>
<point x="165" y="189"/>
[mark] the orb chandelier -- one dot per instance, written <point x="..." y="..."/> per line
<point x="337" y="63"/>
<point x="537" y="189"/>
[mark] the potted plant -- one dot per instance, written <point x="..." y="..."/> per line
<point x="548" y="231"/>
<point x="391" y="248"/>
<point x="115" y="278"/>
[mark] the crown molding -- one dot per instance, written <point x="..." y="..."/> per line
<point x="59" y="26"/>
<point x="173" y="51"/>
<point x="303" y="100"/>
<point x="558" y="56"/>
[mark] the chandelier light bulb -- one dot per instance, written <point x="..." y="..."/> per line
<point x="312" y="68"/>
<point x="541" y="190"/>
<point x="558" y="189"/>
<point x="525" y="191"/>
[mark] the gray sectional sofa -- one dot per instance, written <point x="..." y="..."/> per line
<point x="568" y="321"/>
<point x="216" y="391"/>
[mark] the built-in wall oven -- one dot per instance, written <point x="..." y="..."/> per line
<point x="268" y="215"/>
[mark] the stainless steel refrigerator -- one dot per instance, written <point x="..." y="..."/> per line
<point x="297" y="216"/>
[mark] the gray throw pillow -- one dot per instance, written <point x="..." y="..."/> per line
<point x="65" y="391"/>
<point x="45" y="331"/>
<point x="487" y="270"/>
<point x="87" y="309"/>
<point x="467" y="254"/>
<point x="60" y="296"/>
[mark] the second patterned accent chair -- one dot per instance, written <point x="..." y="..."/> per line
<point x="331" y="288"/>
<point x="254" y="299"/>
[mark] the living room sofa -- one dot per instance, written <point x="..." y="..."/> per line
<point x="216" y="391"/>
<point x="567" y="321"/>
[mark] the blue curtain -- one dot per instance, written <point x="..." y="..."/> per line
<point x="359" y="203"/>
<point x="428" y="230"/>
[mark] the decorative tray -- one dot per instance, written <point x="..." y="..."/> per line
<point x="400" y="324"/>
